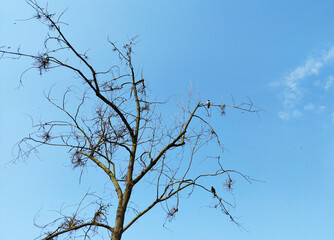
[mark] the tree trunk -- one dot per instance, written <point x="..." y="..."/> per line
<point x="123" y="202"/>
<point x="118" y="229"/>
<point x="116" y="235"/>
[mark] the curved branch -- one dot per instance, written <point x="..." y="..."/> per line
<point x="52" y="235"/>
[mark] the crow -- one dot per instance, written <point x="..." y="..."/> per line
<point x="213" y="190"/>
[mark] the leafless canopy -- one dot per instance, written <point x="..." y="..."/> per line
<point x="125" y="137"/>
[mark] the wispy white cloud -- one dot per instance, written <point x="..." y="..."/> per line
<point x="292" y="92"/>
<point x="291" y="82"/>
<point x="329" y="55"/>
<point x="286" y="115"/>
<point x="321" y="109"/>
<point x="329" y="83"/>
<point x="296" y="114"/>
<point x="309" y="107"/>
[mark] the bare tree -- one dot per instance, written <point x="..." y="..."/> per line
<point x="125" y="136"/>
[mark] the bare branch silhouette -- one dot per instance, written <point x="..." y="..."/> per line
<point x="125" y="122"/>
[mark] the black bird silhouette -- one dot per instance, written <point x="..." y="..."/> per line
<point x="213" y="190"/>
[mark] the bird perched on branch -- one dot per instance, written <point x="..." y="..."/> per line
<point x="208" y="103"/>
<point x="213" y="190"/>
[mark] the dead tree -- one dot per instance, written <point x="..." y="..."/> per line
<point x="125" y="123"/>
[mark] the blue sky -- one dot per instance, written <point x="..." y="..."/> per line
<point x="278" y="53"/>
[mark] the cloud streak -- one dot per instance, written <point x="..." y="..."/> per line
<point x="329" y="83"/>
<point x="292" y="93"/>
<point x="312" y="66"/>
